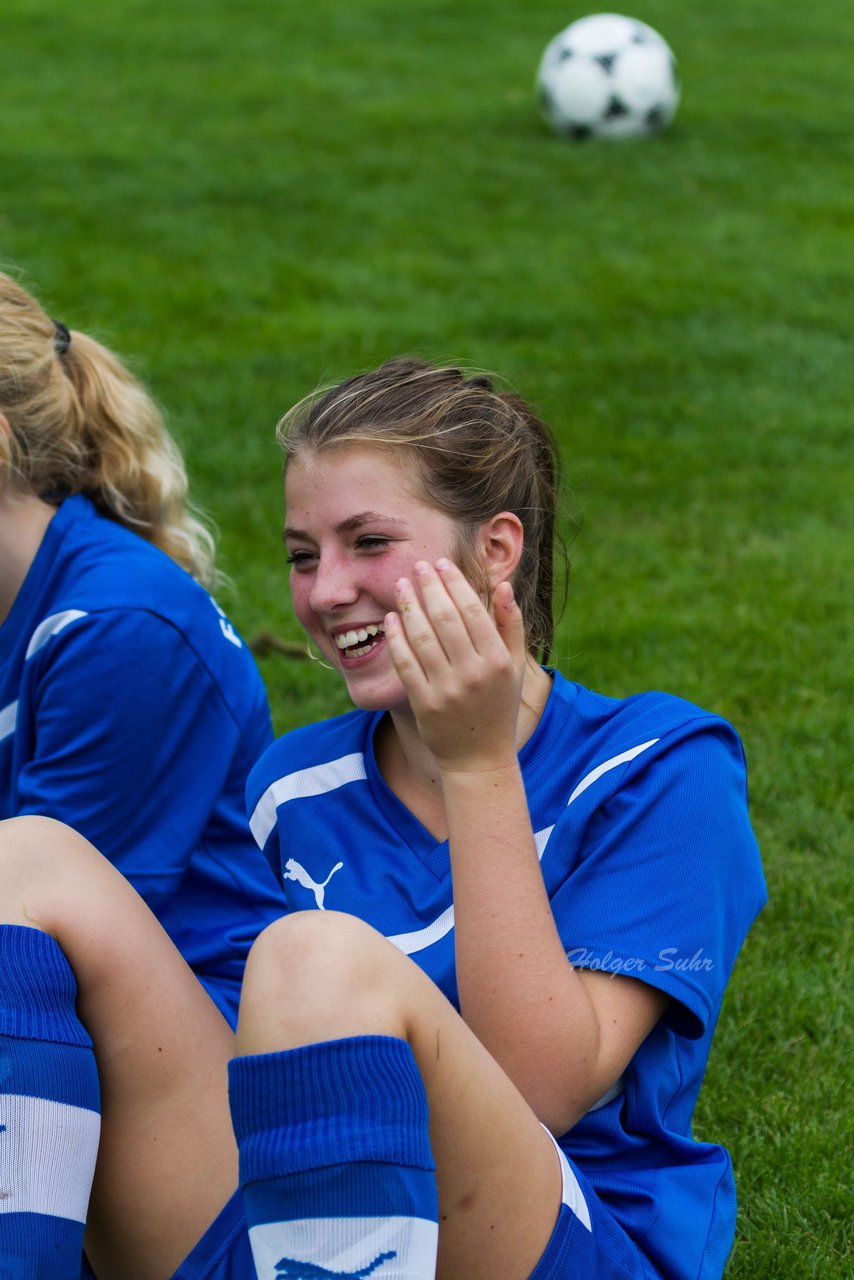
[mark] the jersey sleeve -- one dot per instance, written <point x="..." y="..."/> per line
<point x="667" y="878"/>
<point x="131" y="743"/>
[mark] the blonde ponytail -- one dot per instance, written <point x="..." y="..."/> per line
<point x="80" y="423"/>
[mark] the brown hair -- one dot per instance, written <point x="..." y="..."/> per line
<point x="80" y="423"/>
<point x="478" y="451"/>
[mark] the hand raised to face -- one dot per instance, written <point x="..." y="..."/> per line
<point x="461" y="667"/>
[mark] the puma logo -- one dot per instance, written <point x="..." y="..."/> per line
<point x="290" y="1269"/>
<point x="293" y="871"/>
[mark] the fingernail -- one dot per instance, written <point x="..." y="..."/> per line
<point x="402" y="585"/>
<point x="444" y="564"/>
<point x="422" y="567"/>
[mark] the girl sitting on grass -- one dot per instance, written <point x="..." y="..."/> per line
<point x="473" y="1045"/>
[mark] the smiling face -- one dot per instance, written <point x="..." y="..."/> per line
<point x="355" y="522"/>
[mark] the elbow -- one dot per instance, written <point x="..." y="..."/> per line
<point x="559" y="1115"/>
<point x="564" y="1114"/>
<point x="561" y="1096"/>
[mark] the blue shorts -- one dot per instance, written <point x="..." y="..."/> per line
<point x="586" y="1241"/>
<point x="223" y="1253"/>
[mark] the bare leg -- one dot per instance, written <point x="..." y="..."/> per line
<point x="320" y="976"/>
<point x="167" y="1162"/>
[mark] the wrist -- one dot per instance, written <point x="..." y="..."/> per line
<point x="496" y="771"/>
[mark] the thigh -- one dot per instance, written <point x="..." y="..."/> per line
<point x="497" y="1170"/>
<point x="167" y="1160"/>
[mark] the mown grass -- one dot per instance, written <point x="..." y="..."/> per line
<point x="252" y="199"/>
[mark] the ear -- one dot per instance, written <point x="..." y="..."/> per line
<point x="500" y="543"/>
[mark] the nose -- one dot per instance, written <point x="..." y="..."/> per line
<point x="333" y="584"/>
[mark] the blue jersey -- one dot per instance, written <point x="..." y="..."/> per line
<point x="131" y="710"/>
<point x="639" y="810"/>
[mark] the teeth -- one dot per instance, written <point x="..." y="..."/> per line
<point x="347" y="639"/>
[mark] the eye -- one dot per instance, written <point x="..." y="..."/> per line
<point x="301" y="559"/>
<point x="372" y="542"/>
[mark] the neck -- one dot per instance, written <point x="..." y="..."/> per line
<point x="24" y="519"/>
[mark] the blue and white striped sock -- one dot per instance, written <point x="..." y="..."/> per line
<point x="49" y="1110"/>
<point x="335" y="1165"/>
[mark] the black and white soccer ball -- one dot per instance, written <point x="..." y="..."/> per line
<point x="608" y="76"/>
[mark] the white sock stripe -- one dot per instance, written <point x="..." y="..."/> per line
<point x="314" y="781"/>
<point x="47" y="1156"/>
<point x="345" y="1247"/>
<point x="50" y="627"/>
<point x="8" y="720"/>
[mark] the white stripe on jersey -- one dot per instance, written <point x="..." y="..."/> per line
<point x="8" y="720"/>
<point x="613" y="763"/>
<point x="47" y="1156"/>
<point x="409" y="943"/>
<point x="315" y="781"/>
<point x="399" y="1247"/>
<point x="418" y="939"/>
<point x="50" y="626"/>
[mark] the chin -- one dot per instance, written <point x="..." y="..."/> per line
<point x="376" y="699"/>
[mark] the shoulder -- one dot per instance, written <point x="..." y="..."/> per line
<point x="102" y="565"/>
<point x="650" y="779"/>
<point x="309" y="761"/>
<point x="113" y="590"/>
<point x="601" y="735"/>
<point x="651" y="710"/>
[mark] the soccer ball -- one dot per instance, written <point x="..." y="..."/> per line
<point x="608" y="76"/>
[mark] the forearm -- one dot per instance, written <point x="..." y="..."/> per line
<point x="564" y="1037"/>
<point x="518" y="992"/>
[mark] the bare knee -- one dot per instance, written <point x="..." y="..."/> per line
<point x="32" y="840"/>
<point x="320" y="975"/>
<point x="46" y="868"/>
<point x="31" y="832"/>
<point x="31" y="853"/>
<point x="308" y="952"/>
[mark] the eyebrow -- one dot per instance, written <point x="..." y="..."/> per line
<point x="349" y="525"/>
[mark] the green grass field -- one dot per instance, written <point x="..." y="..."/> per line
<point x="248" y="199"/>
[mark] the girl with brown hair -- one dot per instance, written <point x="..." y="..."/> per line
<point x="472" y="1046"/>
